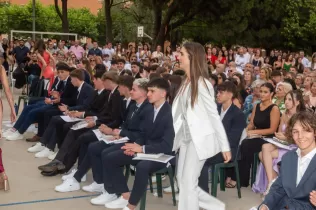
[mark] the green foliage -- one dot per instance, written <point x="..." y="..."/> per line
<point x="17" y="17"/>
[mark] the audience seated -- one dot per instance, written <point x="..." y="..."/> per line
<point x="296" y="181"/>
<point x="234" y="124"/>
<point x="271" y="154"/>
<point x="131" y="128"/>
<point x="110" y="118"/>
<point x="264" y="122"/>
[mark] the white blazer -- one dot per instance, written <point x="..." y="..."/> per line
<point x="206" y="128"/>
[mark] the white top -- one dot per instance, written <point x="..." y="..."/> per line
<point x="303" y="163"/>
<point x="223" y="113"/>
<point x="156" y="111"/>
<point x="128" y="100"/>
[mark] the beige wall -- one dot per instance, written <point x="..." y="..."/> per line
<point x="93" y="5"/>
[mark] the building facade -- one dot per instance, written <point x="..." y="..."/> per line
<point x="93" y="5"/>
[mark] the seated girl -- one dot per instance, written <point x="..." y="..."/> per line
<point x="270" y="155"/>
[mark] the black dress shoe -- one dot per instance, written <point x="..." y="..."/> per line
<point x="52" y="166"/>
<point x="53" y="173"/>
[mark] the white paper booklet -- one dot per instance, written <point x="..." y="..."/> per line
<point x="108" y="139"/>
<point x="66" y="118"/>
<point x="162" y="158"/>
<point x="277" y="143"/>
<point x="79" y="125"/>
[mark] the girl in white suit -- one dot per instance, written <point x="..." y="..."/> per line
<point x="199" y="130"/>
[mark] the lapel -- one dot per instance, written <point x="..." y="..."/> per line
<point x="291" y="180"/>
<point x="228" y="114"/>
<point x="81" y="91"/>
<point x="159" y="115"/>
<point x="308" y="173"/>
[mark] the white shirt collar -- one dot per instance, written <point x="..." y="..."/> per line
<point x="79" y="88"/>
<point x="309" y="156"/>
<point x="100" y="91"/>
<point x="114" y="90"/>
<point x="66" y="79"/>
<point x="158" y="109"/>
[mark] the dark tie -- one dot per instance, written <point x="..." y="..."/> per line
<point x="78" y="93"/>
<point x="135" y="110"/>
<point x="109" y="96"/>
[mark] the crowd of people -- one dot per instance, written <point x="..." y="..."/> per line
<point x="194" y="101"/>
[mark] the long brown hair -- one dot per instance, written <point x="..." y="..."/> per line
<point x="198" y="67"/>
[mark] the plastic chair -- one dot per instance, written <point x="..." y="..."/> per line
<point x="168" y="170"/>
<point x="219" y="170"/>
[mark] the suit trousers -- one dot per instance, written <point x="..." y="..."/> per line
<point x="203" y="179"/>
<point x="191" y="196"/>
<point x="29" y="116"/>
<point x="92" y="159"/>
<point x="114" y="179"/>
<point x="44" y="117"/>
<point x="69" y="150"/>
<point x="49" y="138"/>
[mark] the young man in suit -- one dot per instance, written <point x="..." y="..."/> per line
<point x="234" y="123"/>
<point x="110" y="117"/>
<point x="157" y="138"/>
<point x="30" y="113"/>
<point x="137" y="114"/>
<point x="77" y="99"/>
<point x="58" y="128"/>
<point x="125" y="83"/>
<point x="135" y="70"/>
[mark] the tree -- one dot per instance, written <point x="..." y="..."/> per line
<point x="63" y="15"/>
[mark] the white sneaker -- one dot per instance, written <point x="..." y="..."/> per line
<point x="154" y="179"/>
<point x="254" y="208"/>
<point x="71" y="174"/>
<point x="94" y="187"/>
<point x="44" y="153"/>
<point x="126" y="208"/>
<point x="36" y="148"/>
<point x="8" y="132"/>
<point x="117" y="204"/>
<point x="52" y="156"/>
<point x="69" y="185"/>
<point x="168" y="190"/>
<point x="103" y="198"/>
<point x="177" y="197"/>
<point x="15" y="136"/>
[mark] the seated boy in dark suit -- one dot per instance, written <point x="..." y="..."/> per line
<point x="234" y="123"/>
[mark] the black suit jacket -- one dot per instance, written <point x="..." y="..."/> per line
<point x="84" y="99"/>
<point x="55" y="86"/>
<point x="135" y="118"/>
<point x="159" y="135"/>
<point x="125" y="110"/>
<point x="234" y="124"/>
<point x="68" y="94"/>
<point x="137" y="76"/>
<point x="98" y="103"/>
<point x="112" y="116"/>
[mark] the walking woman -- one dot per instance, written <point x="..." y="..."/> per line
<point x="199" y="131"/>
<point x="4" y="184"/>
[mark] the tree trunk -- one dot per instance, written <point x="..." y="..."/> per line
<point x="108" y="21"/>
<point x="65" y="22"/>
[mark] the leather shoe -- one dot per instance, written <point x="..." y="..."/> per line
<point x="52" y="166"/>
<point x="53" y="173"/>
<point x="34" y="139"/>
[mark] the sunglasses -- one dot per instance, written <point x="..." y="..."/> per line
<point x="73" y="57"/>
<point x="230" y="70"/>
<point x="92" y="60"/>
<point x="219" y="77"/>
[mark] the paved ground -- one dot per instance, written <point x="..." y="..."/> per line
<point x="31" y="191"/>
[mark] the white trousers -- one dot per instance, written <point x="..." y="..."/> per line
<point x="191" y="196"/>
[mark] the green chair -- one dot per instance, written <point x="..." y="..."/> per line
<point x="254" y="167"/>
<point x="219" y="170"/>
<point x="168" y="170"/>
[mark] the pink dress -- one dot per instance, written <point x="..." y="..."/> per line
<point x="48" y="72"/>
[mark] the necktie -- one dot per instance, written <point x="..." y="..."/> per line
<point x="135" y="110"/>
<point x="78" y="92"/>
<point x="109" y="96"/>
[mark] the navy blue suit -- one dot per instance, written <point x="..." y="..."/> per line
<point x="284" y="194"/>
<point x="234" y="124"/>
<point x="158" y="138"/>
<point x="91" y="157"/>
<point x="81" y="101"/>
<point x="30" y="112"/>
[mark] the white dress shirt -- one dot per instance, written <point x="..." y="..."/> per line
<point x="303" y="163"/>
<point x="79" y="89"/>
<point x="223" y="113"/>
<point x="128" y="100"/>
<point x="156" y="111"/>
